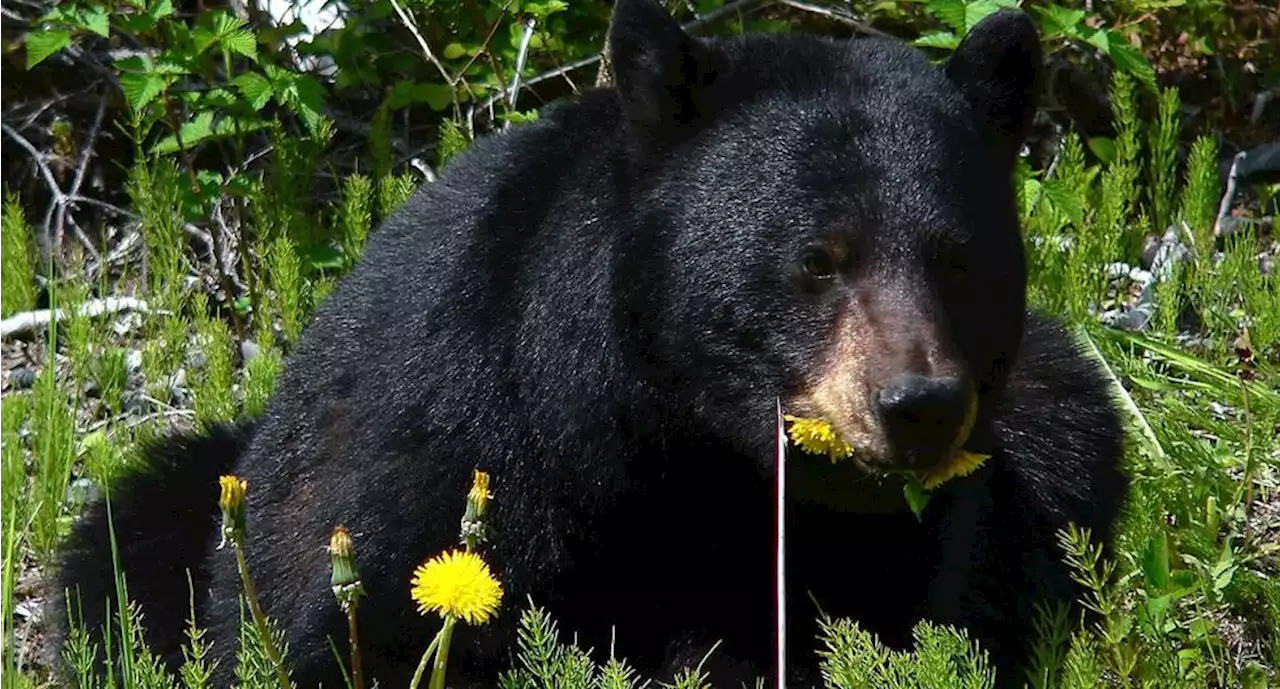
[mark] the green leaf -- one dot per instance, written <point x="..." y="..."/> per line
<point x="42" y="44"/>
<point x="975" y="12"/>
<point x="1056" y="19"/>
<point x="1130" y="59"/>
<point x="95" y="19"/>
<point x="1030" y="194"/>
<point x="1065" y="201"/>
<point x="949" y="12"/>
<point x="1155" y="561"/>
<point x="521" y="116"/>
<point x="225" y="23"/>
<point x="405" y="92"/>
<point x="193" y="132"/>
<point x="1103" y="147"/>
<point x="322" y="257"/>
<point x="205" y="128"/>
<point x="241" y="42"/>
<point x="202" y="38"/>
<point x="233" y="37"/>
<point x="308" y="101"/>
<point x="1100" y="40"/>
<point x="938" y="39"/>
<point x="917" y="497"/>
<point x="140" y="88"/>
<point x="255" y="88"/>
<point x="454" y="51"/>
<point x="160" y="9"/>
<point x="57" y="15"/>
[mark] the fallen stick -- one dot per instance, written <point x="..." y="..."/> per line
<point x="29" y="322"/>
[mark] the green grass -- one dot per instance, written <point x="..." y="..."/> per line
<point x="17" y="283"/>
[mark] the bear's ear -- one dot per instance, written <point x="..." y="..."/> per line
<point x="658" y="69"/>
<point x="998" y="67"/>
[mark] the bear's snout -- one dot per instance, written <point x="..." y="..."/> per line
<point x="925" y="417"/>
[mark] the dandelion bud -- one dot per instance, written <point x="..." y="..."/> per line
<point x="345" y="577"/>
<point x="342" y="554"/>
<point x="231" y="501"/>
<point x="478" y="498"/>
<point x="473" y="531"/>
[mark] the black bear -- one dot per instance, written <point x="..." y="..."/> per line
<point x="602" y="309"/>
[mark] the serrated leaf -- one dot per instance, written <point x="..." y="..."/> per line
<point x="241" y="42"/>
<point x="95" y="19"/>
<point x="1064" y="201"/>
<point x="225" y="23"/>
<point x="135" y="23"/>
<point x="160" y="9"/>
<point x="219" y="98"/>
<point x="1056" y="19"/>
<point x="140" y="88"/>
<point x="1100" y="40"/>
<point x="975" y="12"/>
<point x="949" y="12"/>
<point x="1030" y="194"/>
<point x="57" y="15"/>
<point x="939" y="39"/>
<point x="1130" y="59"/>
<point x="255" y="88"/>
<point x="42" y="44"/>
<point x="192" y="132"/>
<point x="305" y="97"/>
<point x="133" y="63"/>
<point x="202" y="38"/>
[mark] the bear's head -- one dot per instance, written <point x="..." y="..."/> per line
<point x="830" y="223"/>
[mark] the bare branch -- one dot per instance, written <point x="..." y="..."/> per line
<point x="520" y="58"/>
<point x="90" y="142"/>
<point x="708" y="18"/>
<point x="422" y="43"/>
<point x="78" y="180"/>
<point x="837" y="14"/>
<point x="38" y="157"/>
<point x="77" y="199"/>
<point x="1224" y="206"/>
<point x="32" y="321"/>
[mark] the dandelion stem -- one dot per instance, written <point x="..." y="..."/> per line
<point x="442" y="654"/>
<point x="268" y="642"/>
<point x="353" y="632"/>
<point x="422" y="664"/>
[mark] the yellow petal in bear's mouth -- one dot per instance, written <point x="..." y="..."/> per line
<point x="962" y="463"/>
<point x="817" y="436"/>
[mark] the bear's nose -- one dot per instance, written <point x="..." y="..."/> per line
<point x="923" y="414"/>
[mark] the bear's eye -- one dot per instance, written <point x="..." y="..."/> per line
<point x="817" y="264"/>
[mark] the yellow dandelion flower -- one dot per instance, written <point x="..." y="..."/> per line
<point x="817" y="437"/>
<point x="457" y="584"/>
<point x="962" y="463"/>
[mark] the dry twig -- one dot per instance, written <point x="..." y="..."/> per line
<point x="32" y="321"/>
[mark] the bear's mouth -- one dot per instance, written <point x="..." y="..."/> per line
<point x="864" y="457"/>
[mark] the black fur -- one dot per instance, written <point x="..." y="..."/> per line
<point x="600" y="308"/>
<point x="164" y="515"/>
